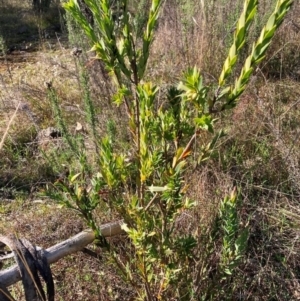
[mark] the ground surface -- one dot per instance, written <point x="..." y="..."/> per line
<point x="254" y="156"/>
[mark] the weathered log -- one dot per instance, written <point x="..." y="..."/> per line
<point x="74" y="244"/>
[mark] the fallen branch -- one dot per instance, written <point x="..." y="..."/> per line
<point x="74" y="244"/>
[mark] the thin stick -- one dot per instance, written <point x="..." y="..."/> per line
<point x="8" y="126"/>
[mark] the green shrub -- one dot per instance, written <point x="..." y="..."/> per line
<point x="145" y="184"/>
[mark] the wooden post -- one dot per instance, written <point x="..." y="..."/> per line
<point x="67" y="247"/>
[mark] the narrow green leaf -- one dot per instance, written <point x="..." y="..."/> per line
<point x="158" y="188"/>
<point x="75" y="177"/>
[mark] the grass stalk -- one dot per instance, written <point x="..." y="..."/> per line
<point x="9" y="125"/>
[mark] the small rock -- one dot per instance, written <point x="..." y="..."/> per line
<point x="48" y="84"/>
<point x="79" y="127"/>
<point x="48" y="133"/>
<point x="76" y="51"/>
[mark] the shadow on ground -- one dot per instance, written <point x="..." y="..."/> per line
<point x="21" y="24"/>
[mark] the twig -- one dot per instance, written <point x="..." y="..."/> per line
<point x="8" y="126"/>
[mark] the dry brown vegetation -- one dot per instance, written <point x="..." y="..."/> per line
<point x="260" y="153"/>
